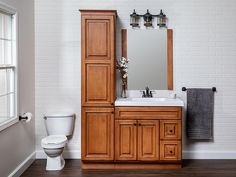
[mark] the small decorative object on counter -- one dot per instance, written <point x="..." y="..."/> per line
<point x="122" y="65"/>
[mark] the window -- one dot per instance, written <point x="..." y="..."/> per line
<point x="8" y="67"/>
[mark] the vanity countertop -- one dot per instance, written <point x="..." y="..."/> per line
<point x="149" y="102"/>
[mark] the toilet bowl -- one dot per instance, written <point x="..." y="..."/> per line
<point x="53" y="146"/>
<point x="58" y="128"/>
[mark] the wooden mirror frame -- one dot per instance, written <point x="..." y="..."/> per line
<point x="169" y="53"/>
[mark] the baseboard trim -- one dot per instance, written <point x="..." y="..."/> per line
<point x="209" y="154"/>
<point x="23" y="166"/>
<point x="76" y="154"/>
<point x="72" y="154"/>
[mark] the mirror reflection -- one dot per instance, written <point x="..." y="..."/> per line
<point x="148" y="60"/>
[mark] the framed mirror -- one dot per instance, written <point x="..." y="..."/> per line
<point x="150" y="54"/>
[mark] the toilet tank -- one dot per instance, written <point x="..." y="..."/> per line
<point x="59" y="124"/>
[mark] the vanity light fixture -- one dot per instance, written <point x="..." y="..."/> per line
<point x="134" y="19"/>
<point x="161" y="20"/>
<point x="148" y="18"/>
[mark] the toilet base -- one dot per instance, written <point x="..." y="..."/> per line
<point x="55" y="163"/>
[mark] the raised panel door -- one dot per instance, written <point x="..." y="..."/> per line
<point x="148" y="140"/>
<point x="97" y="134"/>
<point x="98" y="38"/>
<point x="97" y="87"/>
<point x="125" y="139"/>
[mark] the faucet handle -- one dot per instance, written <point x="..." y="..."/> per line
<point x="151" y="93"/>
<point x="144" y="94"/>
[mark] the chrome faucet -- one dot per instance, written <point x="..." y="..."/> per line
<point x="147" y="93"/>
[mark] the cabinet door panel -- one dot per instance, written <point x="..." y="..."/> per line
<point x="97" y="87"/>
<point x="125" y="139"/>
<point x="97" y="134"/>
<point x="98" y="38"/>
<point x="148" y="140"/>
<point x="98" y="42"/>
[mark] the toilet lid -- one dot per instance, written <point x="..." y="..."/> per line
<point x="54" y="139"/>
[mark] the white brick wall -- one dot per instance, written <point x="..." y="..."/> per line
<point x="204" y="56"/>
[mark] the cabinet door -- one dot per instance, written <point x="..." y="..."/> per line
<point x="98" y="37"/>
<point x="97" y="89"/>
<point x="148" y="140"/>
<point x="98" y="59"/>
<point x="97" y="134"/>
<point x="125" y="139"/>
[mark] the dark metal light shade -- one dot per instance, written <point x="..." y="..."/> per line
<point x="161" y="20"/>
<point x="147" y="19"/>
<point x="134" y="19"/>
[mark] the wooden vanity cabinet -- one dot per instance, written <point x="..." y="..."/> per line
<point x="151" y="134"/>
<point x="132" y="137"/>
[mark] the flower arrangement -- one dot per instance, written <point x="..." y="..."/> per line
<point x="122" y="65"/>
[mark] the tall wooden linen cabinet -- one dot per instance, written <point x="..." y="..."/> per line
<point x="98" y="31"/>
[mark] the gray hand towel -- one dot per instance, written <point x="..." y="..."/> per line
<point x="200" y="110"/>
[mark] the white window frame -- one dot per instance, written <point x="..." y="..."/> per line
<point x="11" y="10"/>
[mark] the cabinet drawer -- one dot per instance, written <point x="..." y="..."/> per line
<point x="170" y="129"/>
<point x="170" y="150"/>
<point x="148" y="112"/>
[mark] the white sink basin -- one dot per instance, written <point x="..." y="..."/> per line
<point x="150" y="99"/>
<point x="149" y="102"/>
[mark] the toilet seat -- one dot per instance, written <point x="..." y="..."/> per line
<point x="54" y="141"/>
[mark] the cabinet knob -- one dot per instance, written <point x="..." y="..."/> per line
<point x="139" y="124"/>
<point x="112" y="104"/>
<point x="135" y="124"/>
<point x="112" y="112"/>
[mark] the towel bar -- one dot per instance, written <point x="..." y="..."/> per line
<point x="213" y="89"/>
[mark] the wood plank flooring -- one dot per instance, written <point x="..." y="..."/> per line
<point x="191" y="168"/>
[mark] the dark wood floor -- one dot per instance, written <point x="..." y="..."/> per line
<point x="191" y="168"/>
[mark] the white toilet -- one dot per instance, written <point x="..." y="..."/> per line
<point x="58" y="128"/>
